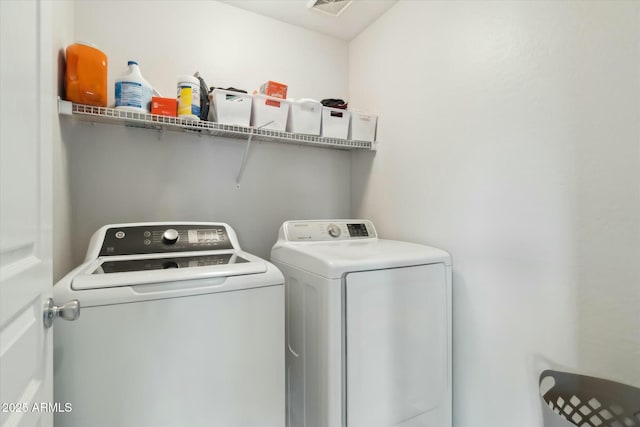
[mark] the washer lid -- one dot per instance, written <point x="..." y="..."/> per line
<point x="110" y="272"/>
<point x="334" y="258"/>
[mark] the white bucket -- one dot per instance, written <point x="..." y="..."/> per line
<point x="188" y="97"/>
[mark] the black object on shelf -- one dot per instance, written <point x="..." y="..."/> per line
<point x="230" y="89"/>
<point x="204" y="97"/>
<point x="335" y="103"/>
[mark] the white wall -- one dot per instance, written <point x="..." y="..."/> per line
<point x="228" y="45"/>
<point x="510" y="137"/>
<point x="63" y="35"/>
<point x="122" y="174"/>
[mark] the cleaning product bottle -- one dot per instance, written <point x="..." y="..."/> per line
<point x="189" y="97"/>
<point x="133" y="92"/>
<point x="86" y="75"/>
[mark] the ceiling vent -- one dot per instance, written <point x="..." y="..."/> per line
<point x="330" y="7"/>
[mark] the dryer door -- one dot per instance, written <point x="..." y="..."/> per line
<point x="396" y="340"/>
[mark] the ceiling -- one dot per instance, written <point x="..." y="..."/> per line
<point x="355" y="18"/>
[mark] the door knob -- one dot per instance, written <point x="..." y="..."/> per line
<point x="68" y="311"/>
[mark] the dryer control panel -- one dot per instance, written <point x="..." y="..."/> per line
<point x="163" y="238"/>
<point x="327" y="230"/>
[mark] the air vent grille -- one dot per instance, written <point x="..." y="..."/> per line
<point x="330" y="7"/>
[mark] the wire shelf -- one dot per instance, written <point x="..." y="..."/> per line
<point x="157" y="122"/>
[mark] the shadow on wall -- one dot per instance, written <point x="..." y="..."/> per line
<point x="120" y="174"/>
<point x="61" y="74"/>
<point x="361" y="166"/>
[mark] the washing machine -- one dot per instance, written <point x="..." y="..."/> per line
<point x="177" y="327"/>
<point x="368" y="327"/>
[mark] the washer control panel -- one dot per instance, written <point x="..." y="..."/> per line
<point x="328" y="230"/>
<point x="165" y="238"/>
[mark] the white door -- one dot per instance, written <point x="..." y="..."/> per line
<point x="26" y="103"/>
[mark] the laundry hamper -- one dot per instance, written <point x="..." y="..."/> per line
<point x="579" y="400"/>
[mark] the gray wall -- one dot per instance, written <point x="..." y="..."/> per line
<point x="121" y="174"/>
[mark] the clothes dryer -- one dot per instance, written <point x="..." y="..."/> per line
<point x="178" y="327"/>
<point x="368" y="327"/>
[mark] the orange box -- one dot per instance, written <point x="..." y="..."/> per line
<point x="164" y="106"/>
<point x="274" y="89"/>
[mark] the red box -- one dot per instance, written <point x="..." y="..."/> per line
<point x="164" y="106"/>
<point x="274" y="89"/>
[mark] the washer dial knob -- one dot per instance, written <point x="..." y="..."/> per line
<point x="333" y="230"/>
<point x="170" y="236"/>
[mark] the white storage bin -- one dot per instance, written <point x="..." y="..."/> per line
<point x="363" y="127"/>
<point x="267" y="109"/>
<point x="230" y="108"/>
<point x="335" y="123"/>
<point x="305" y="116"/>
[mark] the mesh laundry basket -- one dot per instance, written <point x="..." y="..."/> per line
<point x="578" y="400"/>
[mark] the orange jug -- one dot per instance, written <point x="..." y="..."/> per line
<point x="86" y="75"/>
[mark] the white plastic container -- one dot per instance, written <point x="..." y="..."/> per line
<point x="133" y="92"/>
<point x="335" y="123"/>
<point x="305" y="116"/>
<point x="363" y="127"/>
<point x="230" y="108"/>
<point x="265" y="109"/>
<point x="188" y="97"/>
